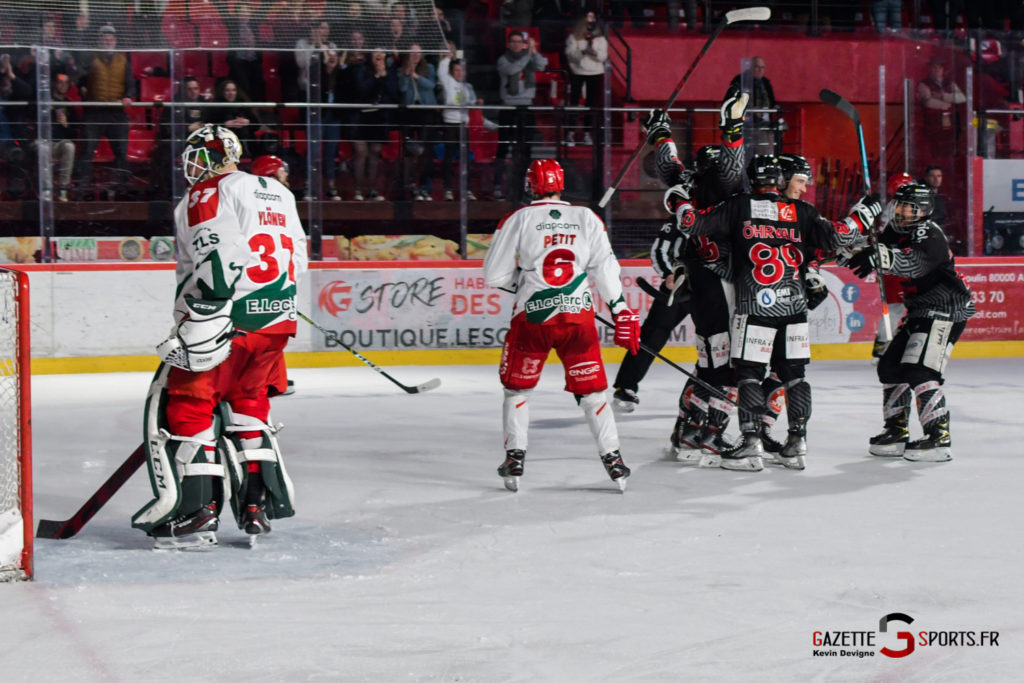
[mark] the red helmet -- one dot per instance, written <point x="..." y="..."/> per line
<point x="268" y="165"/>
<point x="544" y="177"/>
<point x="898" y="181"/>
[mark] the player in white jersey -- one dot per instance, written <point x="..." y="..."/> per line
<point x="240" y="252"/>
<point x="545" y="252"/>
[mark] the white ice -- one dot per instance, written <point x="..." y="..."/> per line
<point x="409" y="561"/>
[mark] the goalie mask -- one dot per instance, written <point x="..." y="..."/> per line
<point x="764" y="172"/>
<point x="209" y="151"/>
<point x="794" y="164"/>
<point x="544" y="177"/>
<point x="912" y="205"/>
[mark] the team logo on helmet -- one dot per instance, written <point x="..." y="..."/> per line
<point x="209" y="151"/>
<point x="544" y="177"/>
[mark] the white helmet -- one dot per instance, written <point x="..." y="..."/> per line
<point x="209" y="151"/>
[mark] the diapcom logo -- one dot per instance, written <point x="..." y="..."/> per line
<point x="895" y="638"/>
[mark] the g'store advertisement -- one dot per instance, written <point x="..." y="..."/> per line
<point x="446" y="308"/>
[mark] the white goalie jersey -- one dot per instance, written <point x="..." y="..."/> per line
<point x="545" y="251"/>
<point x="239" y="237"/>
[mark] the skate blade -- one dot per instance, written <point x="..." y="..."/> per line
<point x="254" y="540"/>
<point x="511" y="483"/>
<point x="621" y="481"/>
<point x="710" y="460"/>
<point x="623" y="406"/>
<point x="890" y="450"/>
<point x="747" y="464"/>
<point x="202" y="540"/>
<point x="683" y="454"/>
<point x="795" y="462"/>
<point x="942" y="454"/>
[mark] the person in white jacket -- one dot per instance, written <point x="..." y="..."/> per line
<point x="586" y="50"/>
<point x="546" y="252"/>
<point x="457" y="92"/>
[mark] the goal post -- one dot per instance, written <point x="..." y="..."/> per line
<point x="15" y="428"/>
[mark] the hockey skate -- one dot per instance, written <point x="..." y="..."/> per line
<point x="769" y="444"/>
<point x="616" y="469"/>
<point x="255" y="523"/>
<point x="712" y="445"/>
<point x="935" y="446"/>
<point x="892" y="442"/>
<point x="194" y="531"/>
<point x="745" y="456"/>
<point x="791" y="456"/>
<point x="625" y="400"/>
<point x="512" y="469"/>
<point x="685" y="438"/>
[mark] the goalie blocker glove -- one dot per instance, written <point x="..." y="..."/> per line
<point x="869" y="261"/>
<point x="627" y="326"/>
<point x="201" y="341"/>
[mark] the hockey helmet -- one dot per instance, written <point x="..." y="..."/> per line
<point x="912" y="205"/>
<point x="795" y="164"/>
<point x="209" y="151"/>
<point x="707" y="158"/>
<point x="898" y="181"/>
<point x="271" y="166"/>
<point x="544" y="177"/>
<point x="764" y="171"/>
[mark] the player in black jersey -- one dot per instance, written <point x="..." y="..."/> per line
<point x="770" y="236"/>
<point x="718" y="174"/>
<point x="938" y="305"/>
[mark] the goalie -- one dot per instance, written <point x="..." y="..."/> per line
<point x="209" y="441"/>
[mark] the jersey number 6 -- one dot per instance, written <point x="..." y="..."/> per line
<point x="557" y="268"/>
<point x="262" y="244"/>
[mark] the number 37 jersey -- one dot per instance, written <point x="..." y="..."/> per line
<point x="239" y="237"/>
<point x="546" y="251"/>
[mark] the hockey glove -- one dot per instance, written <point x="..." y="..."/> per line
<point x="814" y="288"/>
<point x="864" y="213"/>
<point x="657" y="126"/>
<point x="732" y="114"/>
<point x="869" y="261"/>
<point x="679" y="193"/>
<point x="627" y="326"/>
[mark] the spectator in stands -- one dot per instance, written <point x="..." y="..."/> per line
<point x="331" y="82"/>
<point x="939" y="96"/>
<point x="396" y="30"/>
<point x="763" y="130"/>
<point x="61" y="60"/>
<point x="518" y="88"/>
<point x="621" y="8"/>
<point x="586" y="50"/>
<point x="193" y="118"/>
<point x="516" y="13"/>
<point x="410" y="22"/>
<point x="309" y="49"/>
<point x="933" y="179"/>
<point x="240" y="118"/>
<point x="457" y="92"/>
<point x="887" y="15"/>
<point x="13" y="117"/>
<point x="417" y="81"/>
<point x="354" y="65"/>
<point x="107" y="78"/>
<point x="77" y="30"/>
<point x="378" y="84"/>
<point x="64" y="129"/>
<point x="245" y="61"/>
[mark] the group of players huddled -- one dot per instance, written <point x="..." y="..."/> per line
<point x="746" y="264"/>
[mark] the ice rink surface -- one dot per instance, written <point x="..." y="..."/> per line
<point x="408" y="561"/>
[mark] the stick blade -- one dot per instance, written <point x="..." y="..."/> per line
<point x="429" y="385"/>
<point x="49" y="528"/>
<point x="839" y="102"/>
<point x="607" y="197"/>
<point x="748" y="14"/>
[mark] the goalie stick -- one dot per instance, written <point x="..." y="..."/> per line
<point x="842" y="104"/>
<point x="71" y="526"/>
<point x="333" y="336"/>
<point x="746" y="14"/>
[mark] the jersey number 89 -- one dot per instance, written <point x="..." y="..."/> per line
<point x="770" y="262"/>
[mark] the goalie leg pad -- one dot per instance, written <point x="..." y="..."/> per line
<point x="268" y="478"/>
<point x="184" y="474"/>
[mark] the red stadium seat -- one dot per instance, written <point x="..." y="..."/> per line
<point x="219" y="59"/>
<point x="266" y="35"/>
<point x="179" y="33"/>
<point x="154" y="89"/>
<point x="103" y="154"/>
<point x="144" y="63"/>
<point x="141" y="143"/>
<point x="197" y="63"/>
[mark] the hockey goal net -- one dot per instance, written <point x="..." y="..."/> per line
<point x="15" y="430"/>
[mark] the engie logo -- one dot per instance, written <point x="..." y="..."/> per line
<point x="899" y="640"/>
<point x="334" y="298"/>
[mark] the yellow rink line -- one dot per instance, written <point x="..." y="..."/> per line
<point x="326" y="359"/>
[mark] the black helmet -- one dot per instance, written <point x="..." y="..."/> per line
<point x="764" y="171"/>
<point x="794" y="164"/>
<point x="707" y="158"/>
<point x="921" y="201"/>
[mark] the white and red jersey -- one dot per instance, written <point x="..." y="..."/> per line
<point x="545" y="251"/>
<point x="239" y="237"/>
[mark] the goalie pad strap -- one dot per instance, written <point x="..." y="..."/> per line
<point x="262" y="454"/>
<point x="202" y="469"/>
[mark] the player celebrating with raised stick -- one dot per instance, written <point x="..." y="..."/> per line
<point x="544" y="252"/>
<point x="241" y="249"/>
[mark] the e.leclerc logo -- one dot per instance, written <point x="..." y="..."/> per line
<point x="899" y="640"/>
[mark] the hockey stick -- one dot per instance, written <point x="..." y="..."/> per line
<point x="644" y="347"/>
<point x="842" y="104"/>
<point x="71" y="526"/>
<point x="746" y="14"/>
<point x="658" y="295"/>
<point x="333" y="336"/>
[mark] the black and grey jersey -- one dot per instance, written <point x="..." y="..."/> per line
<point x="769" y="236"/>
<point x="933" y="288"/>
